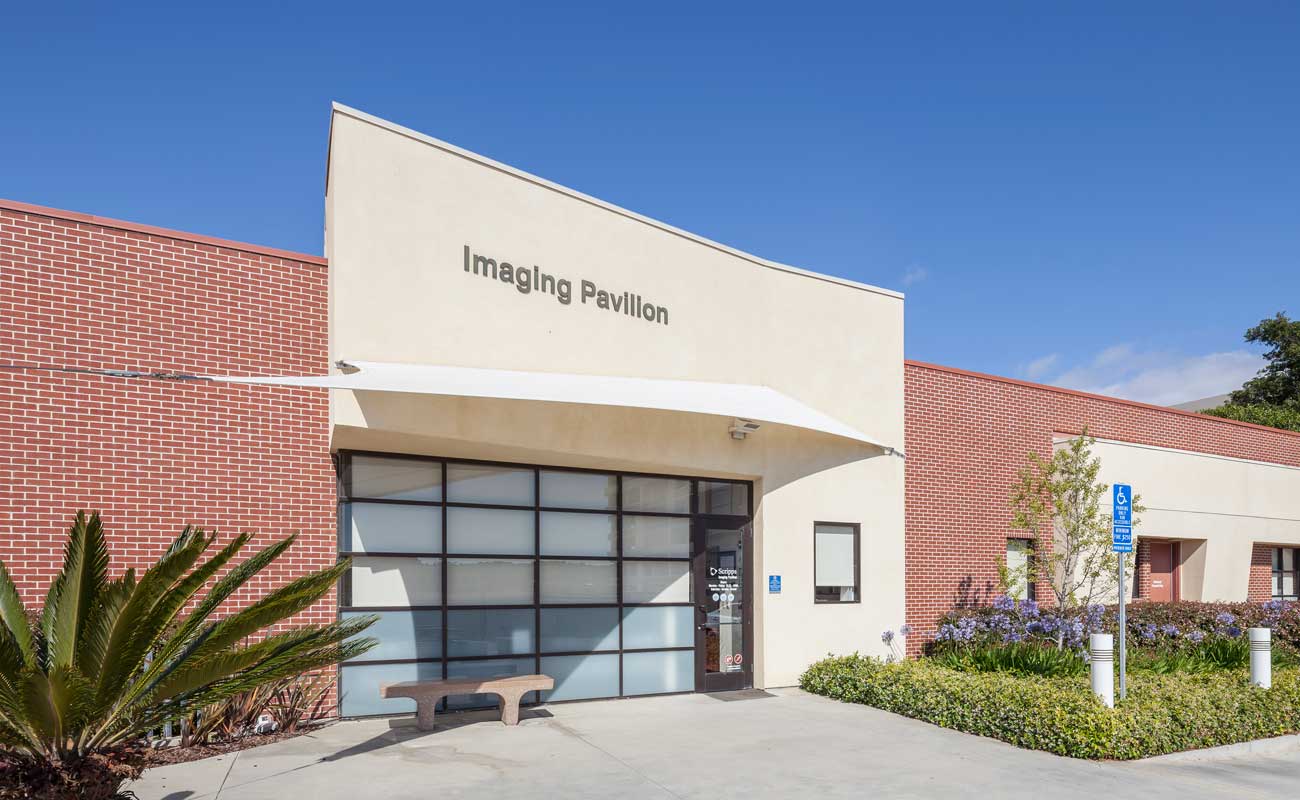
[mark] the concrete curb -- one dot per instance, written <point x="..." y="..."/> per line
<point x="1258" y="747"/>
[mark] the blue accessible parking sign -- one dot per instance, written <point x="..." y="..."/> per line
<point x="1121" y="518"/>
<point x="774" y="584"/>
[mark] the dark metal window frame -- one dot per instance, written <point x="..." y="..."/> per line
<point x="857" y="563"/>
<point x="1278" y="572"/>
<point x="343" y="469"/>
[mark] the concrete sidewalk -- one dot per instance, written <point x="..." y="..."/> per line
<point x="691" y="746"/>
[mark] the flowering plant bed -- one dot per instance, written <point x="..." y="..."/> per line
<point x="1164" y="713"/>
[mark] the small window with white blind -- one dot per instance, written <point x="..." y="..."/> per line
<point x="836" y="547"/>
<point x="1020" y="569"/>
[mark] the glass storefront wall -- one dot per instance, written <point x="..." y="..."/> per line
<point x="487" y="569"/>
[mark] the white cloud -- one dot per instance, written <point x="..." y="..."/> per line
<point x="913" y="275"/>
<point x="1039" y="367"/>
<point x="1159" y="377"/>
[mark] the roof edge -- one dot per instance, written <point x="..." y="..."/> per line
<point x="153" y="230"/>
<point x="1093" y="396"/>
<point x="469" y="155"/>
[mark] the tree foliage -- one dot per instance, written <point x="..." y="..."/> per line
<point x="108" y="660"/>
<point x="1057" y="502"/>
<point x="1285" y="417"/>
<point x="1278" y="383"/>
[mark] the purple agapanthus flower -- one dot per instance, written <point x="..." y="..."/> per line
<point x="887" y="637"/>
<point x="1226" y="618"/>
<point x="1169" y="630"/>
<point x="1004" y="603"/>
<point x="1147" y="631"/>
<point x="1233" y="631"/>
<point x="1196" y="636"/>
<point x="1028" y="608"/>
<point x="904" y="630"/>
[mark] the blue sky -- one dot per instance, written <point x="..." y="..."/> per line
<point x="1103" y="196"/>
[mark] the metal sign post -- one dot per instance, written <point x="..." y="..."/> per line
<point x="1121" y="527"/>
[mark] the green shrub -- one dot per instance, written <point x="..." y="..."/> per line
<point x="1021" y="658"/>
<point x="1163" y="713"/>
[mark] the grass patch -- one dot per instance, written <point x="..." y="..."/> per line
<point x="1164" y="713"/>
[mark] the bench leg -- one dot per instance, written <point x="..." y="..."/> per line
<point x="509" y="705"/>
<point x="424" y="709"/>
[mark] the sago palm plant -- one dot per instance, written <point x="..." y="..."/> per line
<point x="109" y="660"/>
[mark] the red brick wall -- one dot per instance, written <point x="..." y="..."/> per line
<point x="152" y="456"/>
<point x="1260" y="587"/>
<point x="968" y="434"/>
<point x="1142" y="570"/>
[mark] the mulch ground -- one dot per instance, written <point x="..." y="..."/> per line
<point x="164" y="756"/>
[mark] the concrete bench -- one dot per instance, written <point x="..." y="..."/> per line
<point x="426" y="694"/>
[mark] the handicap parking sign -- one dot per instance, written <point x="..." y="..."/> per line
<point x="1121" y="518"/>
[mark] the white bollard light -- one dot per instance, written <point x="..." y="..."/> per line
<point x="1261" y="657"/>
<point x="1101" y="654"/>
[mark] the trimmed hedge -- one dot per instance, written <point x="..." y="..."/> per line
<point x="1163" y="713"/>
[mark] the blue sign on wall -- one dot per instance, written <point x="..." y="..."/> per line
<point x="774" y="584"/>
<point x="1121" y="518"/>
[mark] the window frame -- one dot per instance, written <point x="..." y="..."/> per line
<point x="1276" y="572"/>
<point x="346" y="497"/>
<point x="857" y="563"/>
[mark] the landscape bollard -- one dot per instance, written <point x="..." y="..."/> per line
<point x="1101" y="653"/>
<point x="1261" y="657"/>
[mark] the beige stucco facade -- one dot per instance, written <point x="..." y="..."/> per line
<point x="405" y="216"/>
<point x="1216" y="507"/>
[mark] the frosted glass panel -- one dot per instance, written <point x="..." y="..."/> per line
<point x="668" y="495"/>
<point x="402" y="634"/>
<point x="490" y="530"/>
<point x="1017" y="560"/>
<point x="724" y="498"/>
<point x="496" y="668"/>
<point x="502" y="632"/>
<point x="566" y="630"/>
<point x="1288" y="584"/>
<point x="385" y="528"/>
<point x="579" y="582"/>
<point x="1288" y="558"/>
<point x="396" y="478"/>
<point x="652" y="673"/>
<point x="359" y="687"/>
<point x="669" y="626"/>
<point x="835" y="556"/>
<point x="656" y="582"/>
<point x="579" y="534"/>
<point x="483" y="581"/>
<point x="476" y="483"/>
<point x="578" y="677"/>
<point x="579" y="490"/>
<point x="657" y="536"/>
<point x="379" y="581"/>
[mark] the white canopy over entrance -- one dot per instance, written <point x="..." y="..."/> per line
<point x="758" y="403"/>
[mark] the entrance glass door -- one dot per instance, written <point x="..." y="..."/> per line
<point x="722" y="556"/>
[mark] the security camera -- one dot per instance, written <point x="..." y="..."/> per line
<point x="740" y="428"/>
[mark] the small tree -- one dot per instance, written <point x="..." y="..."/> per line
<point x="1057" y="501"/>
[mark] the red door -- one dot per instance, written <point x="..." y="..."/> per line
<point x="1163" y="587"/>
